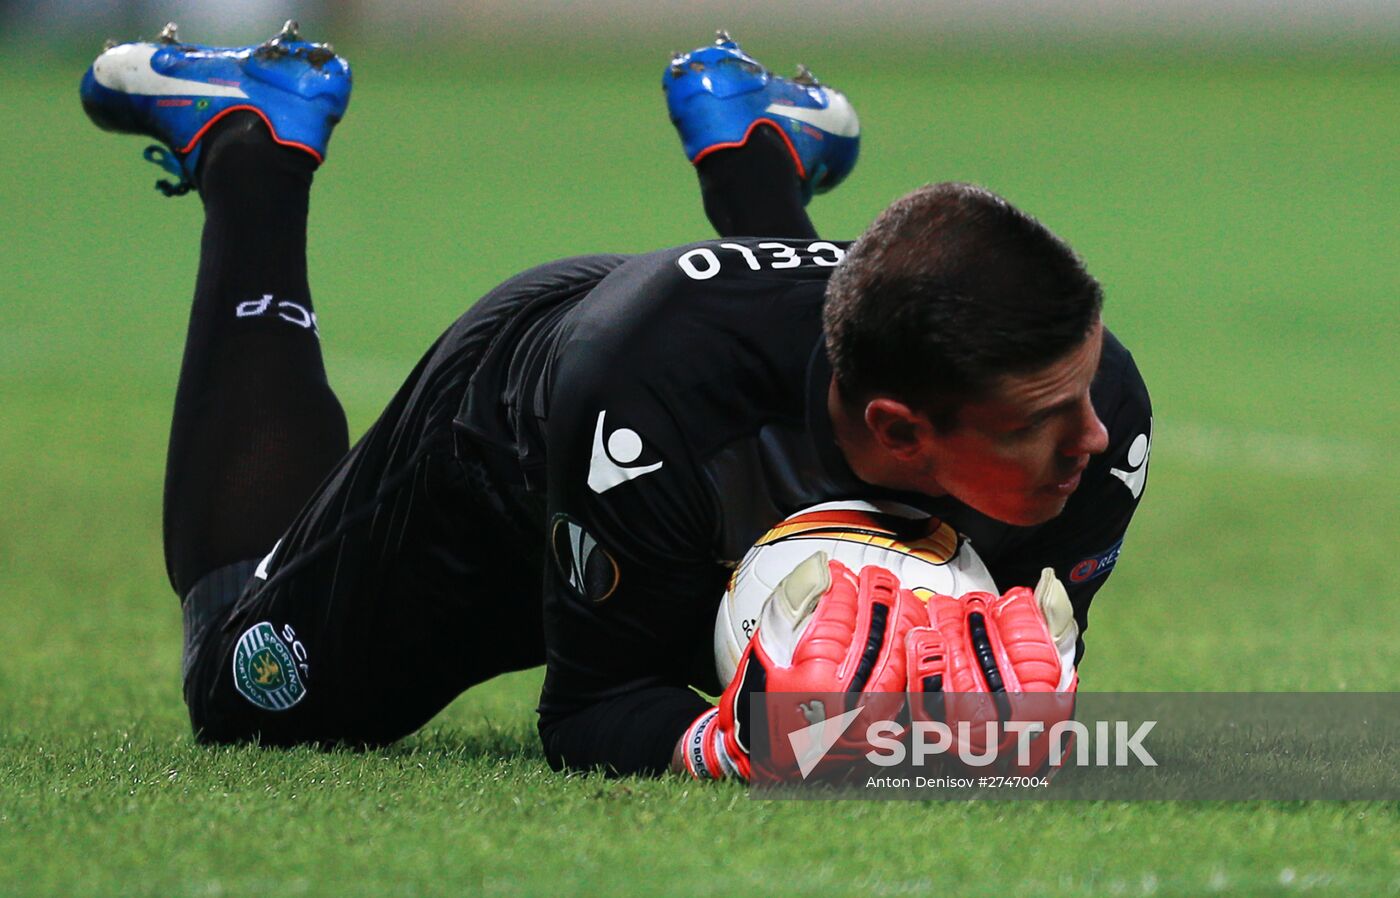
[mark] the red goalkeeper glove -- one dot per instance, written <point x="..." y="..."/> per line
<point x="993" y="659"/>
<point x="824" y="630"/>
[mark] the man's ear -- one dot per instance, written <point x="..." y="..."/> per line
<point x="900" y="430"/>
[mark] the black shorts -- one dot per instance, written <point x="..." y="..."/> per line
<point x="408" y="577"/>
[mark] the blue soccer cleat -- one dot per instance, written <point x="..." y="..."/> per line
<point x="718" y="95"/>
<point x="174" y="92"/>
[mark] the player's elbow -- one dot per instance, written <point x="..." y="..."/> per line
<point x="568" y="748"/>
<point x="550" y="742"/>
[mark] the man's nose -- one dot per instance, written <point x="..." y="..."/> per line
<point x="1092" y="435"/>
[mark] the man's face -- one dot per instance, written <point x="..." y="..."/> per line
<point x="1017" y="454"/>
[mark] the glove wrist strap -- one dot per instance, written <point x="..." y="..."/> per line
<point x="704" y="751"/>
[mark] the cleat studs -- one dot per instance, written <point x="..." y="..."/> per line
<point x="110" y="43"/>
<point x="722" y="37"/>
<point x="273" y="48"/>
<point x="805" y="77"/>
<point x="169" y="34"/>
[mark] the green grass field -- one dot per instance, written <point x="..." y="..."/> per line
<point x="1242" y="215"/>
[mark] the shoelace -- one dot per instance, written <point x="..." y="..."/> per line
<point x="159" y="155"/>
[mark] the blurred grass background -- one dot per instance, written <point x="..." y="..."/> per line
<point x="1240" y="208"/>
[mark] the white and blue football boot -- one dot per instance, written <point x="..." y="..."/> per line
<point x="718" y="95"/>
<point x="174" y="92"/>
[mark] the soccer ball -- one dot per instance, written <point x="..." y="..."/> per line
<point x="927" y="555"/>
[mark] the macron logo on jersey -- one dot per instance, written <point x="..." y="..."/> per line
<point x="1135" y="477"/>
<point x="613" y="457"/>
<point x="266" y="563"/>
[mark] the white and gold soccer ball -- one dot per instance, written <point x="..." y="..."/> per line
<point x="927" y="555"/>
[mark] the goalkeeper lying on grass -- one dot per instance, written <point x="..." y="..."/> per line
<point x="573" y="469"/>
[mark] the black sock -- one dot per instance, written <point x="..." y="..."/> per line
<point x="753" y="190"/>
<point x="256" y="426"/>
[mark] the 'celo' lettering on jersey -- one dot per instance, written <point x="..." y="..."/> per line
<point x="704" y="262"/>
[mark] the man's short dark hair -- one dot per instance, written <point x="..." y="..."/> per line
<point x="949" y="289"/>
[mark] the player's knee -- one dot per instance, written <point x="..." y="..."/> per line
<point x="218" y="715"/>
<point x="216" y="725"/>
<point x="211" y="727"/>
<point x="209" y="732"/>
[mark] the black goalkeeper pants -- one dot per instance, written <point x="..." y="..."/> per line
<point x="409" y="576"/>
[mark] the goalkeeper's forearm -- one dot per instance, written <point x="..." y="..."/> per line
<point x="678" y="756"/>
<point x="634" y="733"/>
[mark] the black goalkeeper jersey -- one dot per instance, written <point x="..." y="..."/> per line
<point x="657" y="414"/>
